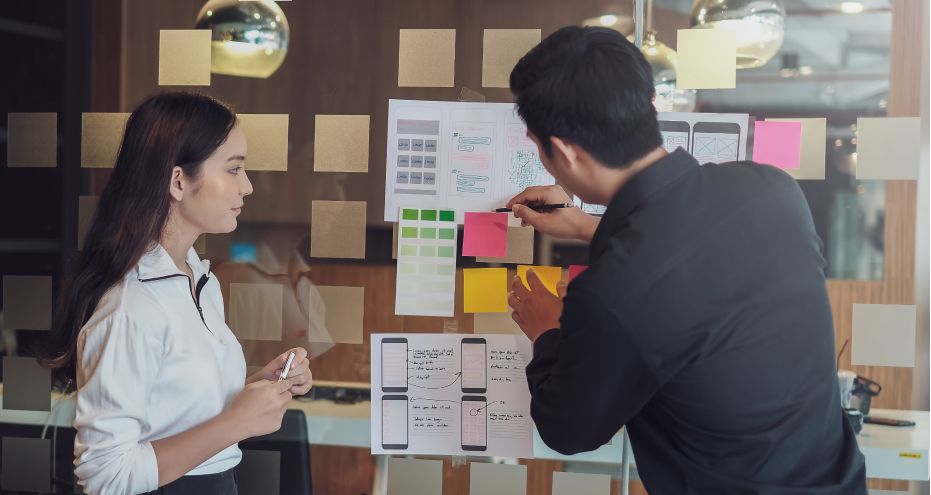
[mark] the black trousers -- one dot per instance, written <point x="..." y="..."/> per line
<point x="213" y="484"/>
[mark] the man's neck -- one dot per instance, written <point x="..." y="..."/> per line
<point x="613" y="179"/>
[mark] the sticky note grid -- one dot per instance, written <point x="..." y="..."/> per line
<point x="426" y="277"/>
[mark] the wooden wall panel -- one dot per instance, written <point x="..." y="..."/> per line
<point x="343" y="60"/>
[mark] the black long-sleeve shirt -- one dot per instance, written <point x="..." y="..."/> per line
<point x="703" y="325"/>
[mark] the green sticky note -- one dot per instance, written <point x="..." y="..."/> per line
<point x="447" y="233"/>
<point x="445" y="251"/>
<point x="447" y="216"/>
<point x="428" y="250"/>
<point x="428" y="215"/>
<point x="428" y="233"/>
<point x="409" y="232"/>
<point x="409" y="214"/>
<point x="408" y="250"/>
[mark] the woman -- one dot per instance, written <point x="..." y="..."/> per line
<point x="162" y="393"/>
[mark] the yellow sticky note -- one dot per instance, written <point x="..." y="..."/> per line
<point x="550" y="275"/>
<point x="814" y="137"/>
<point x="266" y="141"/>
<point x="485" y="290"/>
<point x="87" y="205"/>
<point x="184" y="57"/>
<point x="501" y="50"/>
<point x="888" y="148"/>
<point x="101" y="135"/>
<point x="341" y="143"/>
<point x="707" y="59"/>
<point x="32" y="140"/>
<point x="427" y="58"/>
<point x="337" y="229"/>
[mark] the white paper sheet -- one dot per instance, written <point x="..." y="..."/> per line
<point x="451" y="394"/>
<point x="463" y="156"/>
<point x="709" y="137"/>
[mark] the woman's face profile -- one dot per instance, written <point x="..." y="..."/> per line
<point x="216" y="196"/>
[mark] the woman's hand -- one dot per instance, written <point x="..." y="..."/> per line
<point x="300" y="377"/>
<point x="258" y="409"/>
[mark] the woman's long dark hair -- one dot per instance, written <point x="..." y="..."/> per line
<point x="166" y="130"/>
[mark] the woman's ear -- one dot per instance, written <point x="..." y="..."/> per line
<point x="177" y="186"/>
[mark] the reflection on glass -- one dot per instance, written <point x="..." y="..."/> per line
<point x="759" y="25"/>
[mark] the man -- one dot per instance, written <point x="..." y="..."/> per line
<point x="703" y="323"/>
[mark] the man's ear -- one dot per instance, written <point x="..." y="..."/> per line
<point x="565" y="153"/>
<point x="177" y="186"/>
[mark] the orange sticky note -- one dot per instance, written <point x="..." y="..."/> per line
<point x="550" y="275"/>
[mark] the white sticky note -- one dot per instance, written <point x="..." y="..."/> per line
<point x="707" y="59"/>
<point x="581" y="484"/>
<point x="883" y="335"/>
<point x="255" y="311"/>
<point x="888" y="148"/>
<point x="497" y="479"/>
<point x="415" y="476"/>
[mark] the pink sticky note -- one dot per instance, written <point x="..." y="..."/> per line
<point x="778" y="144"/>
<point x="575" y="270"/>
<point x="485" y="234"/>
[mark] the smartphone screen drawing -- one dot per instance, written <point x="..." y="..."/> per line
<point x="394" y="364"/>
<point x="675" y="134"/>
<point x="474" y="423"/>
<point x="474" y="366"/>
<point x="716" y="142"/>
<point x="394" y="422"/>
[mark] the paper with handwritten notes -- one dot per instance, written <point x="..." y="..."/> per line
<point x="451" y="394"/>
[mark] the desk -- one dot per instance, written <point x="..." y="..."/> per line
<point x="891" y="452"/>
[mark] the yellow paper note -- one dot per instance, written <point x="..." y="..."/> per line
<point x="707" y="59"/>
<point x="427" y="58"/>
<point x="337" y="229"/>
<point x="485" y="290"/>
<point x="344" y="308"/>
<point x="101" y="135"/>
<point x="550" y="275"/>
<point x="266" y="141"/>
<point x="184" y="57"/>
<point x="811" y="164"/>
<point x="502" y="48"/>
<point x="341" y="143"/>
<point x="32" y="140"/>
<point x="888" y="148"/>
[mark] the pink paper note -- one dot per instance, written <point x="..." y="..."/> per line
<point x="485" y="234"/>
<point x="575" y="270"/>
<point x="778" y="144"/>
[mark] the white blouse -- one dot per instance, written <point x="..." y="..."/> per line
<point x="151" y="364"/>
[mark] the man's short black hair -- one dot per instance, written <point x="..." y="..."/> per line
<point x="592" y="87"/>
